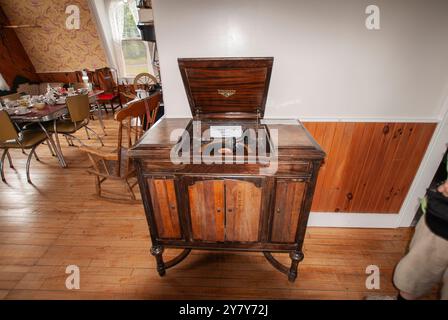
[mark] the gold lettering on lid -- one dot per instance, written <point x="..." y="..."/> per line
<point x="226" y="93"/>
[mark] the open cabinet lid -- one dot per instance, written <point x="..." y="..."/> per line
<point x="226" y="88"/>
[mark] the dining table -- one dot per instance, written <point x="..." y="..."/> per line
<point x="47" y="114"/>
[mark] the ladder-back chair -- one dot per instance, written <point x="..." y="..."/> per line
<point x="107" y="80"/>
<point x="114" y="164"/>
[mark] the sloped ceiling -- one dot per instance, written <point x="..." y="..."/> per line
<point x="53" y="48"/>
<point x="14" y="60"/>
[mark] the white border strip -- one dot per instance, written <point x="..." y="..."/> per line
<point x="428" y="167"/>
<point x="353" y="220"/>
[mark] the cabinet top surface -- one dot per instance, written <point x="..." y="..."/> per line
<point x="283" y="133"/>
<point x="234" y="88"/>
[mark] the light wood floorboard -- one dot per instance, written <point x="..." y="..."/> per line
<point x="59" y="221"/>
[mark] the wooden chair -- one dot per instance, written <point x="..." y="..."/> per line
<point x="107" y="79"/>
<point x="137" y="117"/>
<point x="10" y="138"/>
<point x="128" y="92"/>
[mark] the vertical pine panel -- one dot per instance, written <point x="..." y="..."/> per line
<point x="369" y="166"/>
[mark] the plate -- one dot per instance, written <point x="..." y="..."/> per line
<point x="21" y="112"/>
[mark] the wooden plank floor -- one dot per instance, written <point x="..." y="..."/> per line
<point x="59" y="221"/>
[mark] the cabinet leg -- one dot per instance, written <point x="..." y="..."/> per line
<point x="296" y="257"/>
<point x="157" y="252"/>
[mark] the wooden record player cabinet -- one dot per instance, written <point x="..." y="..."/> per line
<point x="197" y="205"/>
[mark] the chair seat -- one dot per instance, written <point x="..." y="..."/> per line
<point x="65" y="126"/>
<point x="112" y="168"/>
<point x="108" y="153"/>
<point x="27" y="139"/>
<point x="110" y="159"/>
<point x="107" y="97"/>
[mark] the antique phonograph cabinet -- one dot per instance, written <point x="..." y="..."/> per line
<point x="227" y="179"/>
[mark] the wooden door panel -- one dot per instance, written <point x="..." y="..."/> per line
<point x="243" y="208"/>
<point x="288" y="202"/>
<point x="164" y="203"/>
<point x="206" y="200"/>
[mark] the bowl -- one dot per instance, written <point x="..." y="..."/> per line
<point x="39" y="105"/>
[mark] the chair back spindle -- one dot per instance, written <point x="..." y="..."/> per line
<point x="132" y="120"/>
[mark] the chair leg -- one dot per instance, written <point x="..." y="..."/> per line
<point x="100" y="118"/>
<point x="35" y="155"/>
<point x="49" y="148"/>
<point x="72" y="137"/>
<point x="130" y="189"/>
<point x="2" y="165"/>
<point x="9" y="159"/>
<point x="58" y="142"/>
<point x="87" y="132"/>
<point x="112" y="106"/>
<point x="28" y="162"/>
<point x="96" y="134"/>
<point x="98" y="185"/>
<point x="105" y="108"/>
<point x="69" y="142"/>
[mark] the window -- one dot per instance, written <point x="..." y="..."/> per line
<point x="132" y="53"/>
<point x="135" y="51"/>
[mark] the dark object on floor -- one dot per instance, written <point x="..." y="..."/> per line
<point x="441" y="175"/>
<point x="437" y="213"/>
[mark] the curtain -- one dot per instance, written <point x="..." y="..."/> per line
<point x="134" y="11"/>
<point x="116" y="16"/>
<point x="110" y="16"/>
<point x="3" y="85"/>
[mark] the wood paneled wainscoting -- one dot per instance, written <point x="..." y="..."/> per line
<point x="63" y="77"/>
<point x="369" y="166"/>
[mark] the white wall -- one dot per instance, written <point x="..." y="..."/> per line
<point x="327" y="64"/>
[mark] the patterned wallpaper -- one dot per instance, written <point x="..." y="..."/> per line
<point x="53" y="48"/>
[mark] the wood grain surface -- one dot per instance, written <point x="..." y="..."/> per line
<point x="369" y="166"/>
<point x="164" y="204"/>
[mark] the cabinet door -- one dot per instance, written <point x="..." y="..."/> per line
<point x="243" y="208"/>
<point x="164" y="204"/>
<point x="206" y="199"/>
<point x="288" y="204"/>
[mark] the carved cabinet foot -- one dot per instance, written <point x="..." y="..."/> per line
<point x="296" y="257"/>
<point x="157" y="252"/>
<point x="291" y="272"/>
